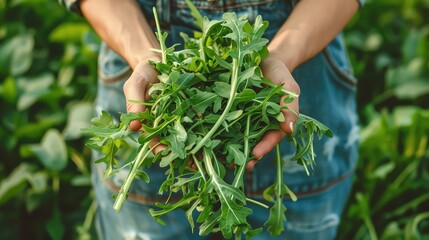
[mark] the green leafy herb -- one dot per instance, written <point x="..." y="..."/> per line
<point x="210" y="102"/>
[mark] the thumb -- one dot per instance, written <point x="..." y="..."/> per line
<point x="135" y="89"/>
<point x="290" y="114"/>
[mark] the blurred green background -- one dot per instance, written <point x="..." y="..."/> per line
<point x="48" y="82"/>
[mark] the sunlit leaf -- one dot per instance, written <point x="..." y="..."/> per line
<point x="51" y="152"/>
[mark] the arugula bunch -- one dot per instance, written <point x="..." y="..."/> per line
<point x="211" y="100"/>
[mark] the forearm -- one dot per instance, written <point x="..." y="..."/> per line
<point x="310" y="28"/>
<point x="123" y="27"/>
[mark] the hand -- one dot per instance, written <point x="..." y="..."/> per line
<point x="277" y="72"/>
<point x="136" y="88"/>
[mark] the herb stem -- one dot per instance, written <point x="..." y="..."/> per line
<point x="257" y="202"/>
<point x="89" y="216"/>
<point x="200" y="168"/>
<point x="232" y="94"/>
<point x="123" y="192"/>
<point x="279" y="163"/>
<point x="160" y="37"/>
<point x="238" y="180"/>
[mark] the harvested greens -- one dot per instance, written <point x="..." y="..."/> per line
<point x="211" y="100"/>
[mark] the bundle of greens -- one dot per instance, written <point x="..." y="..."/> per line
<point x="211" y="100"/>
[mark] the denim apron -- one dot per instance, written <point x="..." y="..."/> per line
<point x="328" y="92"/>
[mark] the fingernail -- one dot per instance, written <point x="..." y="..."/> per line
<point x="250" y="166"/>
<point x="291" y="126"/>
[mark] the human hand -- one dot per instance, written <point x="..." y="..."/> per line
<point x="277" y="72"/>
<point x="136" y="89"/>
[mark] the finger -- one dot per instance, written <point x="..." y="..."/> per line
<point x="159" y="147"/>
<point x="267" y="143"/>
<point x="250" y="165"/>
<point x="278" y="73"/>
<point x="231" y="165"/>
<point x="290" y="114"/>
<point x="190" y="162"/>
<point x="135" y="88"/>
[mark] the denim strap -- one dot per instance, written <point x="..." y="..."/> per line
<point x="164" y="12"/>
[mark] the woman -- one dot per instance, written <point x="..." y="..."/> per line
<point x="307" y="55"/>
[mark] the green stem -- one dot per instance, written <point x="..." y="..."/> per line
<point x="182" y="202"/>
<point x="238" y="180"/>
<point x="56" y="183"/>
<point x="123" y="192"/>
<point x="217" y="183"/>
<point x="395" y="185"/>
<point x="232" y="94"/>
<point x="200" y="168"/>
<point x="257" y="203"/>
<point x="279" y="163"/>
<point x="237" y="233"/>
<point x="159" y="35"/>
<point x="371" y="228"/>
<point x="89" y="216"/>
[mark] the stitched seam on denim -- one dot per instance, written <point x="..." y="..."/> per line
<point x="116" y="76"/>
<point x="216" y="8"/>
<point x="344" y="77"/>
<point x="140" y="198"/>
<point x="310" y="192"/>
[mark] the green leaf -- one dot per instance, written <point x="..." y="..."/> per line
<point x="235" y="155"/>
<point x="236" y="27"/>
<point x="245" y="96"/>
<point x="109" y="149"/>
<point x="277" y="217"/>
<point x="69" y="32"/>
<point x="382" y="171"/>
<point x="8" y="90"/>
<point x="246" y="74"/>
<point x="16" y="55"/>
<point x="231" y="116"/>
<point x="151" y="132"/>
<point x="65" y="76"/>
<point x="184" y="80"/>
<point x="222" y="89"/>
<point x="202" y="100"/>
<point x="55" y="227"/>
<point x="196" y="14"/>
<point x="259" y="27"/>
<point x="32" y="89"/>
<point x="81" y="181"/>
<point x="79" y="117"/>
<point x="412" y="89"/>
<point x="143" y="176"/>
<point x="15" y="182"/>
<point x="176" y="147"/>
<point x="232" y="215"/>
<point x="104" y="120"/>
<point x="51" y="152"/>
<point x="210" y="223"/>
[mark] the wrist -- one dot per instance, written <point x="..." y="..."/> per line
<point x="143" y="58"/>
<point x="290" y="58"/>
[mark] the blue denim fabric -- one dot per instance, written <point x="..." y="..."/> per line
<point x="328" y="92"/>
